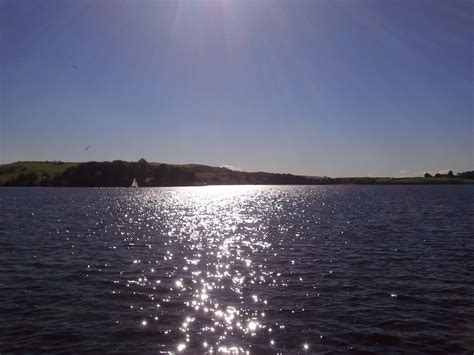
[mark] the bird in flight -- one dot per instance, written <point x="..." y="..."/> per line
<point x="86" y="147"/>
<point x="75" y="66"/>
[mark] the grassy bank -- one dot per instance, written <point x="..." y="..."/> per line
<point x="13" y="170"/>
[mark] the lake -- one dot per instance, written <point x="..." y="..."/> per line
<point x="259" y="269"/>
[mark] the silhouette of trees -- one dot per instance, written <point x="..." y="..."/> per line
<point x="57" y="180"/>
<point x="104" y="174"/>
<point x="169" y="175"/>
<point x="30" y="179"/>
<point x="450" y="174"/>
<point x="466" y="174"/>
<point x="121" y="174"/>
<point x="45" y="180"/>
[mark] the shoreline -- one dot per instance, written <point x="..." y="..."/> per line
<point x="120" y="173"/>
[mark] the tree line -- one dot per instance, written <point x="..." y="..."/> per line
<point x="120" y="173"/>
<point x="117" y="173"/>
<point x="450" y="174"/>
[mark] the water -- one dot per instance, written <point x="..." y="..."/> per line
<point x="259" y="269"/>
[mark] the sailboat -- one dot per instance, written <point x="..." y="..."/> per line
<point x="134" y="183"/>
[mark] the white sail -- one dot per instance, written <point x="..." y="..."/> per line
<point x="134" y="183"/>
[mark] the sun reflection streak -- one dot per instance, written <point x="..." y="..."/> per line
<point x="211" y="247"/>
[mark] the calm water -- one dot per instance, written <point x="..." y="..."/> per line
<point x="258" y="269"/>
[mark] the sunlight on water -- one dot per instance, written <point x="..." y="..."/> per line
<point x="236" y="269"/>
<point x="213" y="279"/>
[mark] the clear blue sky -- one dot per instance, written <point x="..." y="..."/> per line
<point x="337" y="88"/>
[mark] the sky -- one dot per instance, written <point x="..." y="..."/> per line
<point x="324" y="88"/>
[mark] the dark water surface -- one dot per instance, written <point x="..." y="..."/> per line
<point x="259" y="269"/>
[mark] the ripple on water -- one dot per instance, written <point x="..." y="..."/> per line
<point x="237" y="269"/>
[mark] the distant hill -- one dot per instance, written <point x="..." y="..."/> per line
<point x="31" y="171"/>
<point x="121" y="173"/>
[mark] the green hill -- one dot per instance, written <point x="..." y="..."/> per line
<point x="13" y="170"/>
